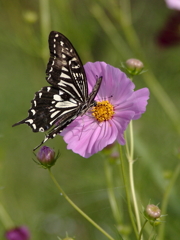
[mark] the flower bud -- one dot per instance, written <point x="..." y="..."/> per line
<point x="46" y="157"/>
<point x="152" y="211"/>
<point x="153" y="214"/>
<point x="134" y="66"/>
<point x="18" y="233"/>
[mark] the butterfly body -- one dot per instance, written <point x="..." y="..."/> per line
<point x="55" y="107"/>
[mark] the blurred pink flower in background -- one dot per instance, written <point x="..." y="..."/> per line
<point x="18" y="233"/>
<point x="174" y="4"/>
<point x="169" y="35"/>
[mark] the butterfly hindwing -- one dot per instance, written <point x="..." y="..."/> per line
<point x="49" y="105"/>
<point x="63" y="122"/>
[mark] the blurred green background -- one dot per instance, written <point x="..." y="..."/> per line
<point x="95" y="28"/>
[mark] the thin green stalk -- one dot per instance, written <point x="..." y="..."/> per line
<point x="166" y="198"/>
<point x="140" y="234"/>
<point x="78" y="209"/>
<point x="5" y="218"/>
<point x="110" y="30"/>
<point x="130" y="157"/>
<point x="125" y="179"/>
<point x="126" y="6"/>
<point x="112" y="198"/>
<point x="45" y="27"/>
<point x="134" y="200"/>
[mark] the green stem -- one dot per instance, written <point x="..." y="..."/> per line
<point x="78" y="209"/>
<point x="112" y="198"/>
<point x="5" y="218"/>
<point x="125" y="179"/>
<point x="45" y="27"/>
<point x="134" y="200"/>
<point x="166" y="198"/>
<point x="140" y="234"/>
<point x="110" y="30"/>
<point x="130" y="157"/>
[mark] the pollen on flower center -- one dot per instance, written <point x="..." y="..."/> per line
<point x="103" y="111"/>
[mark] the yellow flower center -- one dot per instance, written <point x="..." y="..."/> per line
<point x="103" y="111"/>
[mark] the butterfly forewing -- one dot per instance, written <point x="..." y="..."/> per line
<point x="64" y="68"/>
<point x="55" y="107"/>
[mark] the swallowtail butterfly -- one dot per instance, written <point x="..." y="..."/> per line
<point x="55" y="107"/>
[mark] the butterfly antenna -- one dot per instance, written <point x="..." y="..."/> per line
<point x="18" y="123"/>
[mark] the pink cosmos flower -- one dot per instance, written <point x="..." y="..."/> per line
<point x="117" y="105"/>
<point x="174" y="4"/>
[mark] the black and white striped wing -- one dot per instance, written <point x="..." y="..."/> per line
<point x="65" y="69"/>
<point x="49" y="106"/>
